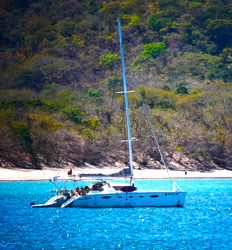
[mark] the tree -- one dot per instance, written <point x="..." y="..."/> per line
<point x="220" y="31"/>
<point x="181" y="88"/>
<point x="31" y="79"/>
<point x="154" y="50"/>
<point x="155" y="22"/>
<point x="109" y="60"/>
<point x="73" y="114"/>
<point x="66" y="28"/>
<point x="24" y="133"/>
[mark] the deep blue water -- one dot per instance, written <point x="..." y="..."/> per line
<point x="204" y="223"/>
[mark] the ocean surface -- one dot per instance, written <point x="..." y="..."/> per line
<point x="204" y="223"/>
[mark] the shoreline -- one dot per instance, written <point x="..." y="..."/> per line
<point x="46" y="174"/>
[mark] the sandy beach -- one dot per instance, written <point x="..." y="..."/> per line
<point x="46" y="174"/>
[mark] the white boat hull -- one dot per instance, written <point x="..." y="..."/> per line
<point x="131" y="199"/>
<point x="55" y="201"/>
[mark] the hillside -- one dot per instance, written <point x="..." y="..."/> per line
<point x="60" y="71"/>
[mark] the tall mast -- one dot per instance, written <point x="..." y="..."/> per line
<point x="126" y="102"/>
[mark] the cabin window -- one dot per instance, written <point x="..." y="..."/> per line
<point x="119" y="196"/>
<point x="116" y="187"/>
<point x="154" y="196"/>
<point x="106" y="197"/>
<point x="141" y="196"/>
<point x="97" y="186"/>
<point x="165" y="194"/>
<point x="130" y="196"/>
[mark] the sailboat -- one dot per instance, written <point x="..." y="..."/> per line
<point x="112" y="194"/>
<point x="105" y="193"/>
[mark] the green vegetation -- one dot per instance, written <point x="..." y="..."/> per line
<point x="109" y="61"/>
<point x="154" y="51"/>
<point x="73" y="114"/>
<point x="60" y="73"/>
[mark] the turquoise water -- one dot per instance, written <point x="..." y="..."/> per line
<point x="204" y="223"/>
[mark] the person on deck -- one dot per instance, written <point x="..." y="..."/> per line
<point x="86" y="189"/>
<point x="77" y="191"/>
<point x="70" y="172"/>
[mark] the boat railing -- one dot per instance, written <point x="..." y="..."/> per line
<point x="176" y="187"/>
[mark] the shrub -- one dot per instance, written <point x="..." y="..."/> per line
<point x="73" y="114"/>
<point x="92" y="123"/>
<point x="93" y="93"/>
<point x="109" y="60"/>
<point x="155" y="22"/>
<point x="152" y="50"/>
<point x="181" y="88"/>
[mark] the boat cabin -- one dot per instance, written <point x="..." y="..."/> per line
<point x="111" y="187"/>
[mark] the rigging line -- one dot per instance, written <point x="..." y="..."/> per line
<point x="151" y="126"/>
